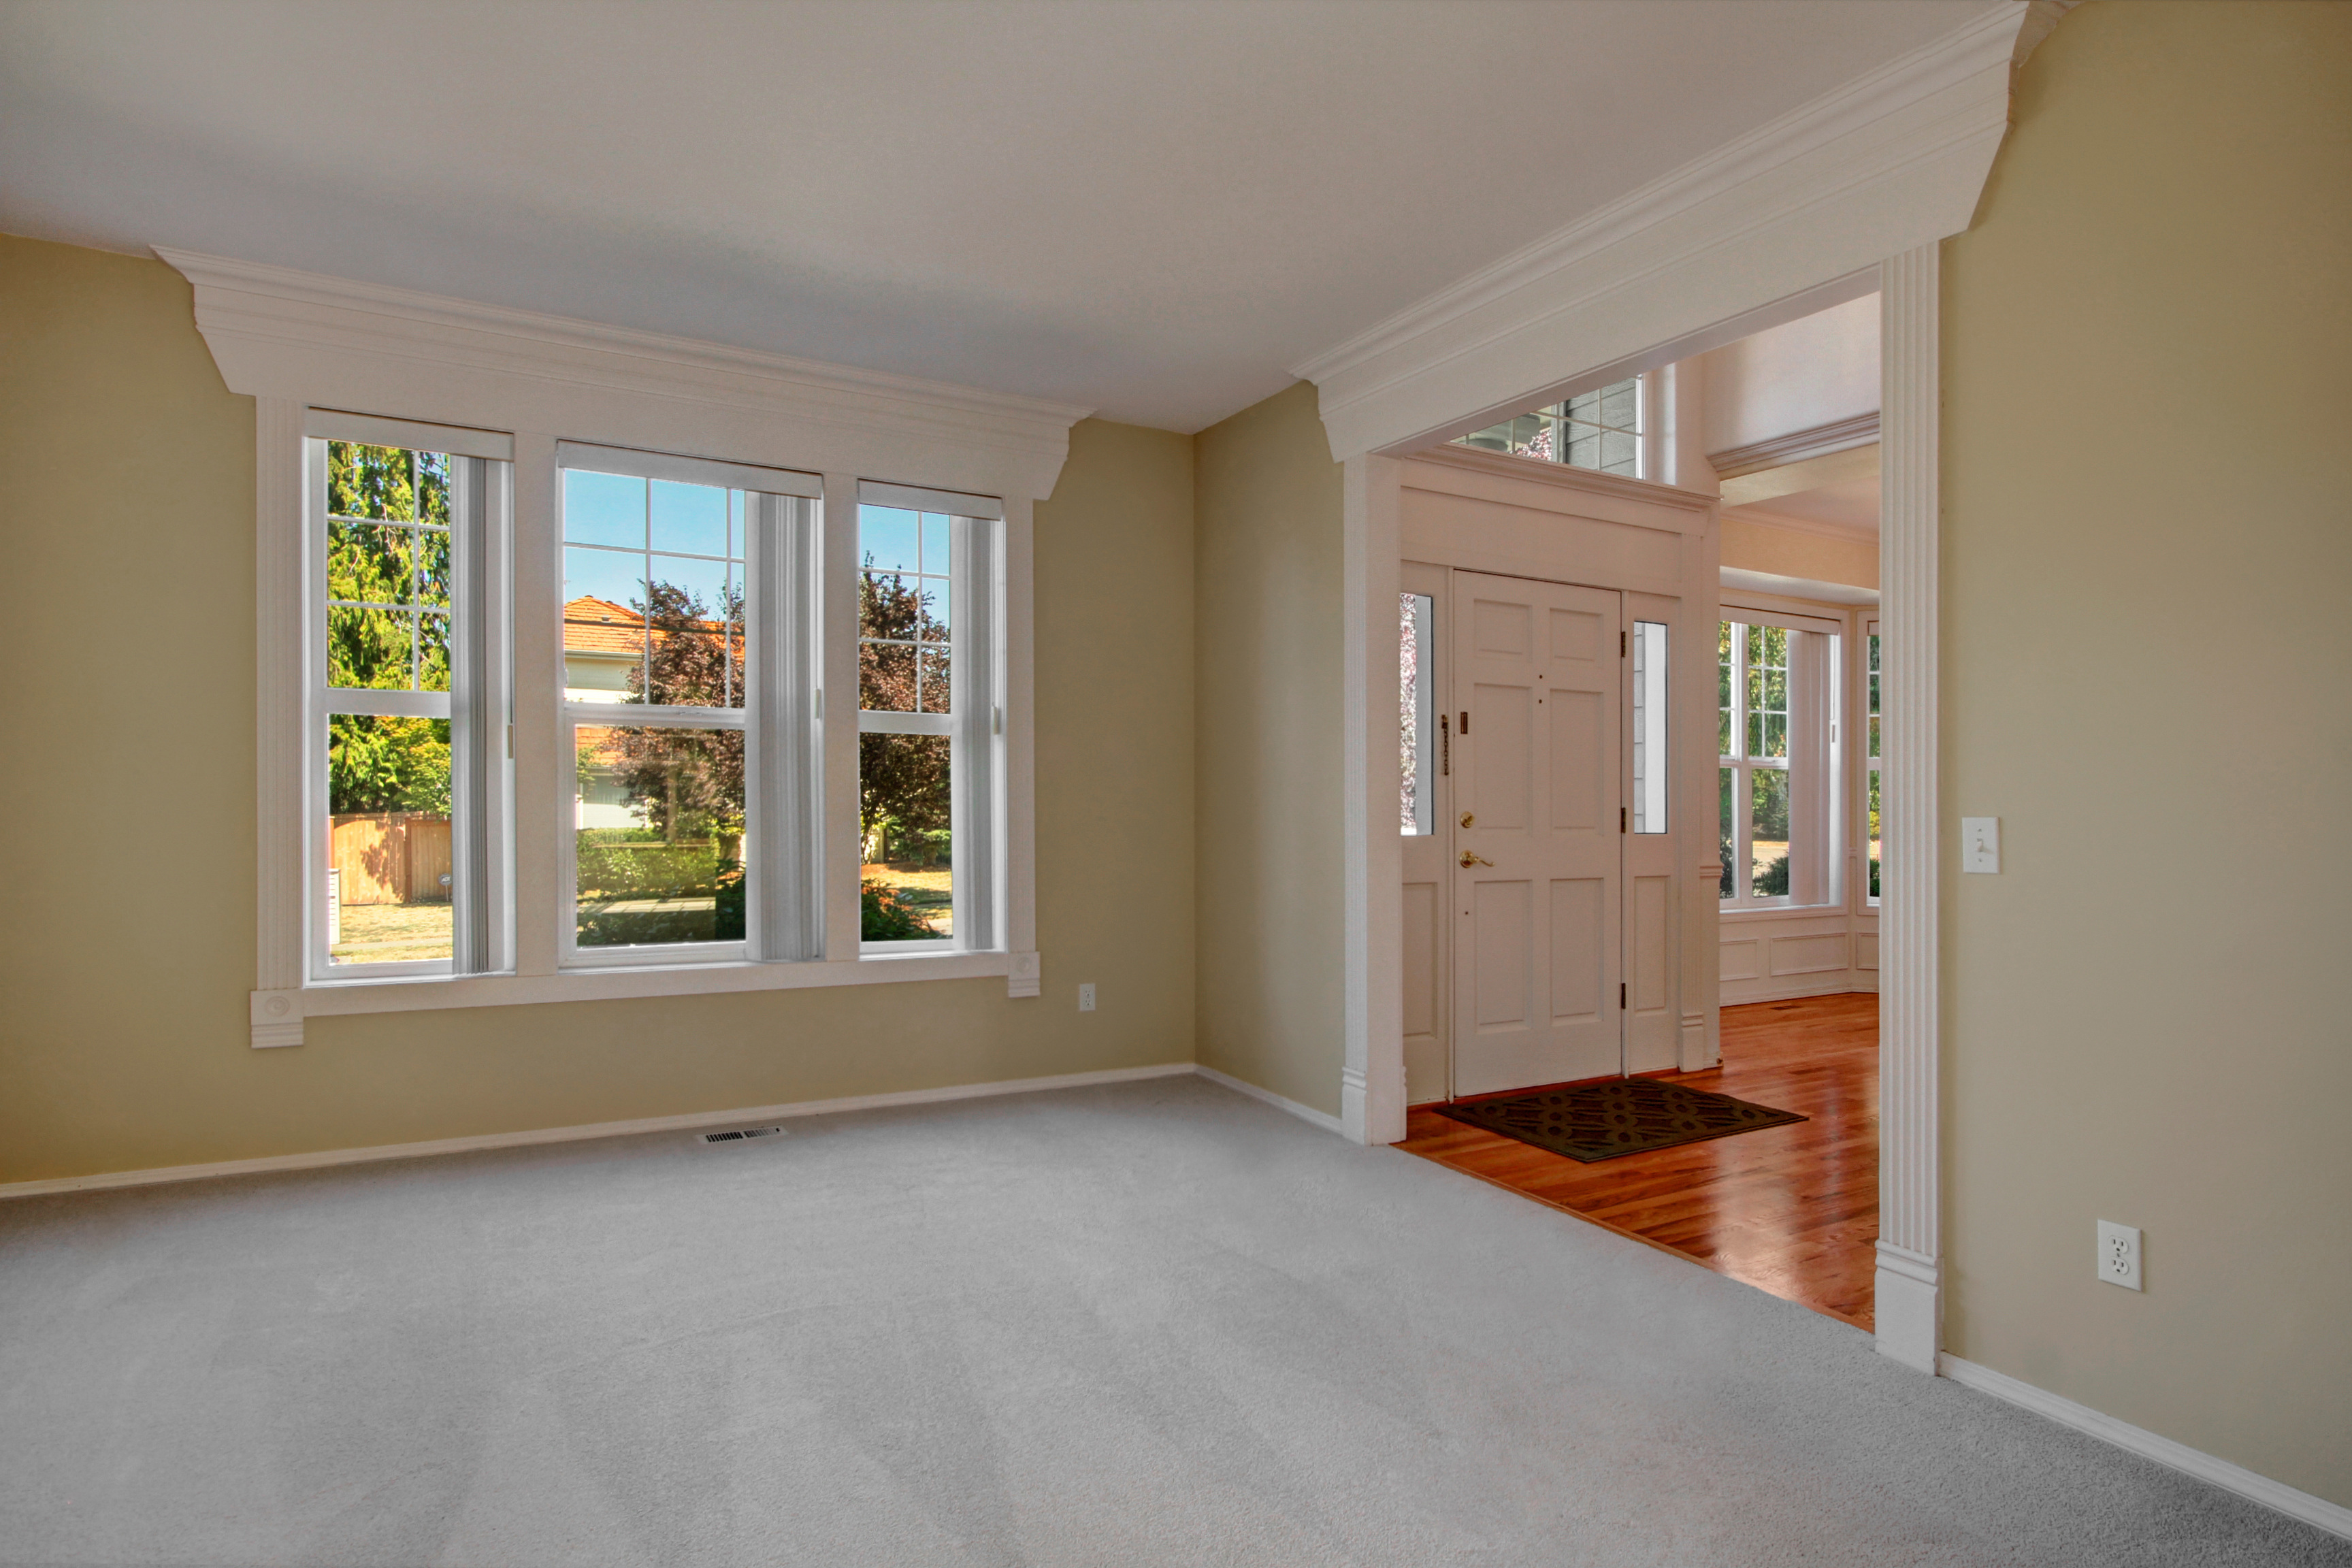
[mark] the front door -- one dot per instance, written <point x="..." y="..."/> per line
<point x="1539" y="790"/>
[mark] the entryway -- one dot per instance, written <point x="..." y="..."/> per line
<point x="1790" y="1210"/>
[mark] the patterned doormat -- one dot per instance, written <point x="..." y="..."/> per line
<point x="1622" y="1116"/>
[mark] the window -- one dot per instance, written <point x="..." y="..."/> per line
<point x="928" y="711"/>
<point x="1416" y="715"/>
<point x="405" y="698"/>
<point x="1599" y="429"/>
<point x="687" y="686"/>
<point x="1870" y="639"/>
<point x="1652" y="760"/>
<point x="1774" y="695"/>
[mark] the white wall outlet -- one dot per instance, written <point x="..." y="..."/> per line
<point x="1981" y="844"/>
<point x="2119" y="1254"/>
<point x="1086" y="997"/>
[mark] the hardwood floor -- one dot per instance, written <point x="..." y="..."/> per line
<point x="1793" y="1210"/>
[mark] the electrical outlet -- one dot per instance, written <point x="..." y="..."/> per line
<point x="2119" y="1254"/>
<point x="1086" y="997"/>
<point x="1981" y="844"/>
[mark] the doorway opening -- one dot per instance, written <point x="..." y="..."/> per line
<point x="1548" y="940"/>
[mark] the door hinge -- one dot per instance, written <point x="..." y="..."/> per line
<point x="1621" y="996"/>
<point x="1621" y="644"/>
<point x="1620" y="819"/>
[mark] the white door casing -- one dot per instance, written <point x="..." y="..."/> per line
<point x="1539" y="794"/>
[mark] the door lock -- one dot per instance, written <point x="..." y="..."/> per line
<point x="1468" y="860"/>
<point x="1467" y="819"/>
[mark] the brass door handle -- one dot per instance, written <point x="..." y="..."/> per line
<point x="1469" y="860"/>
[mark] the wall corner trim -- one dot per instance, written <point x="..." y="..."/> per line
<point x="1893" y="160"/>
<point x="2315" y="1511"/>
<point x="1306" y="1113"/>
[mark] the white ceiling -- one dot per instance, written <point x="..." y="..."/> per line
<point x="1145" y="206"/>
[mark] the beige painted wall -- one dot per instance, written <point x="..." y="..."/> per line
<point x="127" y="934"/>
<point x="2147" y="560"/>
<point x="1755" y="546"/>
<point x="1269" y="721"/>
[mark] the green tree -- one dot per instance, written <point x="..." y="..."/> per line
<point x="902" y="780"/>
<point x="688" y="783"/>
<point x="388" y="564"/>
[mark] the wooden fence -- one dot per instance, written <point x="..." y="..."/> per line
<point x="393" y="857"/>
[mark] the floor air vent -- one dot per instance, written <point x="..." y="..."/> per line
<point x="740" y="1133"/>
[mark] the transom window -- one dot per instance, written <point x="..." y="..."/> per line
<point x="1598" y="429"/>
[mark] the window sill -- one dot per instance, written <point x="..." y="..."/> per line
<point x="427" y="992"/>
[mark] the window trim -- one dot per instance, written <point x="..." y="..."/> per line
<point x="1814" y="727"/>
<point x="297" y="341"/>
<point x="481" y="803"/>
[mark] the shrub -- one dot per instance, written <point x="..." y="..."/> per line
<point x="884" y="916"/>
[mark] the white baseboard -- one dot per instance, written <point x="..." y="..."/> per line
<point x="1305" y="1113"/>
<point x="691" y="1119"/>
<point x="2318" y="1512"/>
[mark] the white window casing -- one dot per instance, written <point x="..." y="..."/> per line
<point x="498" y="390"/>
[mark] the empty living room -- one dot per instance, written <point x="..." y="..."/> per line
<point x="1085" y="782"/>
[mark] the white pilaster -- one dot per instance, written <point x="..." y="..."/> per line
<point x="1909" y="1310"/>
<point x="278" y="470"/>
<point x="1372" y="1081"/>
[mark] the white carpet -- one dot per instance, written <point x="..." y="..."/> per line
<point x="1154" y="1323"/>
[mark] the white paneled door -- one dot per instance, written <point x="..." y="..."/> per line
<point x="1538" y="792"/>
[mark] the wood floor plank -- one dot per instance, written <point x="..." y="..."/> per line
<point x="1793" y="1210"/>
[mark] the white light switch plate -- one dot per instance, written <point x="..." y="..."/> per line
<point x="1980" y="844"/>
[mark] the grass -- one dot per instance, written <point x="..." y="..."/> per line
<point x="395" y="933"/>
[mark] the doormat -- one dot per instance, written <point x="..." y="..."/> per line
<point x="1620" y="1116"/>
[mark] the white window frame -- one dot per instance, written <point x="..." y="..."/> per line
<point x="777" y="717"/>
<point x="299" y="343"/>
<point x="481" y="781"/>
<point x="1815" y="795"/>
<point x="1650" y="389"/>
<point x="975" y="727"/>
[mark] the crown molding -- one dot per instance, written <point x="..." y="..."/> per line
<point x="1837" y="435"/>
<point x="1891" y="161"/>
<point x="367" y="348"/>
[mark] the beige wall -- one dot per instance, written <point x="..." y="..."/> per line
<point x="1754" y="546"/>
<point x="1271" y="879"/>
<point x="127" y="933"/>
<point x="2148" y="566"/>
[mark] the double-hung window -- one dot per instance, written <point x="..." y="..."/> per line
<point x="689" y="708"/>
<point x="406" y="777"/>
<point x="1775" y="694"/>
<point x="929" y="718"/>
